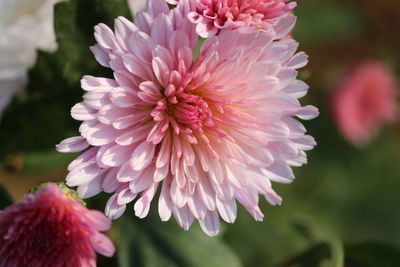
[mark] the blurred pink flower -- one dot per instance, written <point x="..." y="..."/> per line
<point x="363" y="101"/>
<point x="212" y="16"/>
<point x="209" y="132"/>
<point x="51" y="228"/>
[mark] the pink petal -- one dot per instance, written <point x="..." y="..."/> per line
<point x="72" y="144"/>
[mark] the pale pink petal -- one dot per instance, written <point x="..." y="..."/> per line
<point x="284" y="25"/>
<point x="101" y="55"/>
<point x="72" y="144"/>
<point x="83" y="174"/>
<point x="82" y="112"/>
<point x="104" y="36"/>
<point x="113" y="210"/>
<point x="183" y="217"/>
<point x="210" y="224"/>
<point x="110" y="184"/>
<point x="125" y="196"/>
<point x="164" y="203"/>
<point x="90" y="189"/>
<point x="91" y="83"/>
<point x="142" y="205"/>
<point x="227" y="210"/>
<point x="142" y="156"/>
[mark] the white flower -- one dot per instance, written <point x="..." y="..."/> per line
<point x="137" y="5"/>
<point x="25" y="26"/>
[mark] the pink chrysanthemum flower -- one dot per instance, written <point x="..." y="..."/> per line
<point x="51" y="228"/>
<point x="363" y="101"/>
<point x="212" y="16"/>
<point x="208" y="132"/>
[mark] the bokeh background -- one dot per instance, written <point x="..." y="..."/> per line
<point x="342" y="208"/>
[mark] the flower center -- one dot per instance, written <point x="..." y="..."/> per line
<point x="184" y="110"/>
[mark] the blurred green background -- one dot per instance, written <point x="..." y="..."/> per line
<point x="343" y="207"/>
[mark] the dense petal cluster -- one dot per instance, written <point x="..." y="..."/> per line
<point x="363" y="101"/>
<point x="51" y="228"/>
<point x="209" y="131"/>
<point x="21" y="22"/>
<point x="212" y="16"/>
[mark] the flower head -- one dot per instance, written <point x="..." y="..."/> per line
<point x="212" y="16"/>
<point x="363" y="101"/>
<point x="51" y="228"/>
<point x="209" y="132"/>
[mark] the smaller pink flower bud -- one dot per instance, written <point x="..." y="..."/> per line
<point x="50" y="227"/>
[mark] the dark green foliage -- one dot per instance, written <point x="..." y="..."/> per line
<point x="150" y="242"/>
<point x="5" y="199"/>
<point x="371" y="254"/>
<point x="326" y="21"/>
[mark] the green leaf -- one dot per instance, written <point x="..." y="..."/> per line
<point x="320" y="254"/>
<point x="324" y="21"/>
<point x="74" y="22"/>
<point x="151" y="255"/>
<point x="336" y="253"/>
<point x="196" y="51"/>
<point x="319" y="233"/>
<point x="5" y="199"/>
<point x="127" y="246"/>
<point x="310" y="257"/>
<point x="40" y="162"/>
<point x="195" y="248"/>
<point x="35" y="125"/>
<point x="150" y="242"/>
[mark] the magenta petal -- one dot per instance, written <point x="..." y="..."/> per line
<point x="98" y="220"/>
<point x="103" y="245"/>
